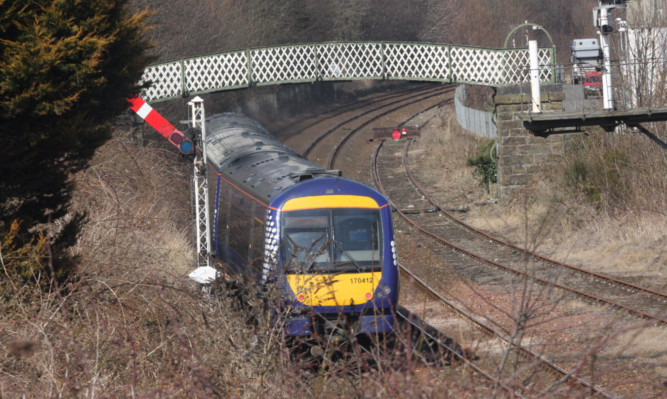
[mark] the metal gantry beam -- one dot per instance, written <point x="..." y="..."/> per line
<point x="549" y="123"/>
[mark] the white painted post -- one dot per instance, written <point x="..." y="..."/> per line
<point x="534" y="76"/>
<point x="607" y="100"/>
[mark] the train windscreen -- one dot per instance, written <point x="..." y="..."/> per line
<point x="331" y="240"/>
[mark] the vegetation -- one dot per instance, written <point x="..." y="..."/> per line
<point x="183" y="28"/>
<point x="128" y="323"/>
<point x="486" y="166"/>
<point x="66" y="68"/>
<point x="616" y="174"/>
<point x="133" y="324"/>
<point x="599" y="179"/>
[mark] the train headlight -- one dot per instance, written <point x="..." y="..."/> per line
<point x="384" y="292"/>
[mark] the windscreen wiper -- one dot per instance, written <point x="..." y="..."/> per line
<point x="311" y="255"/>
<point x="344" y="252"/>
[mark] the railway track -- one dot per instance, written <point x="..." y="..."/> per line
<point x="436" y="344"/>
<point x="594" y="287"/>
<point x="314" y="139"/>
<point x="536" y="374"/>
<point x="442" y="226"/>
<point x="312" y="120"/>
<point x="543" y="375"/>
<point x="551" y="376"/>
<point x="639" y="305"/>
<point x="371" y="115"/>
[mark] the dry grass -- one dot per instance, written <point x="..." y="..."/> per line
<point x="139" y="206"/>
<point x="131" y="325"/>
<point x="446" y="148"/>
<point x="614" y="221"/>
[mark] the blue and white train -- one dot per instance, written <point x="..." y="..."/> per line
<point x="325" y="240"/>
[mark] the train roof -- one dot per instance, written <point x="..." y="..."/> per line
<point x="329" y="186"/>
<point x="244" y="152"/>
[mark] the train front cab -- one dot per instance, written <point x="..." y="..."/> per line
<point x="337" y="256"/>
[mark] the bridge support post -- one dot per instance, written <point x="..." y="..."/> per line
<point x="524" y="158"/>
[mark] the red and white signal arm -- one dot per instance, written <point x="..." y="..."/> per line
<point x="159" y="123"/>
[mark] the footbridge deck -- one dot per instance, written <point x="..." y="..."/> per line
<point x="343" y="61"/>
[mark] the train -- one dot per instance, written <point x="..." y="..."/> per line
<point x="326" y="242"/>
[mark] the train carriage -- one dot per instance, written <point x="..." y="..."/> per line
<point x="327" y="241"/>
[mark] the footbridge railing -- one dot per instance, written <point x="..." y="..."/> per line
<point x="343" y="61"/>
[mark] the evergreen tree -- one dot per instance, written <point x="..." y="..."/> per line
<point x="66" y="69"/>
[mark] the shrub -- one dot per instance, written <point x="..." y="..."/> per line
<point x="66" y="69"/>
<point x="600" y="179"/>
<point x="486" y="166"/>
<point x="21" y="262"/>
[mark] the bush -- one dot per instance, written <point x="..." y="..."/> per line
<point x="486" y="166"/>
<point x="21" y="262"/>
<point x="66" y="70"/>
<point x="601" y="179"/>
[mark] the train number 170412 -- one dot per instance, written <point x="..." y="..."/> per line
<point x="361" y="280"/>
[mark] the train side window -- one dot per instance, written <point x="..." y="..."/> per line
<point x="239" y="228"/>
<point x="226" y="219"/>
<point x="215" y="193"/>
<point x="223" y="221"/>
<point x="256" y="241"/>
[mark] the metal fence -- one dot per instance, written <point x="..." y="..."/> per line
<point x="342" y="61"/>
<point x="476" y="121"/>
